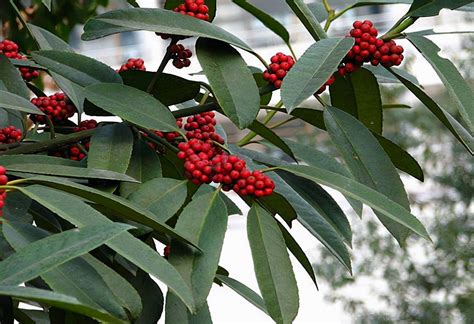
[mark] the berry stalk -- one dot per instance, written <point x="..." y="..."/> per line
<point x="163" y="64"/>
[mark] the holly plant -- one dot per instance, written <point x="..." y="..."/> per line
<point x="88" y="206"/>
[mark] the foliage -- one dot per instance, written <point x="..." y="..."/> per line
<point x="85" y="204"/>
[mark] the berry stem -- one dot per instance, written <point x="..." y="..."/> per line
<point x="398" y="28"/>
<point x="162" y="66"/>
<point x="204" y="97"/>
<point x="158" y="140"/>
<point x="283" y="122"/>
<point x="52" y="133"/>
<point x="18" y="181"/>
<point x="269" y="169"/>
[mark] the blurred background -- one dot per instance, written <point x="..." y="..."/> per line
<point x="425" y="283"/>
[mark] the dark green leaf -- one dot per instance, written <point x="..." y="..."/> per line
<point x="171" y="89"/>
<point x="56" y="299"/>
<point x="261" y="82"/>
<point x="132" y="105"/>
<point x="318" y="10"/>
<point x="10" y="79"/>
<point x="272" y="266"/>
<point x="77" y="68"/>
<point x="144" y="165"/>
<point x="47" y="4"/>
<point x="232" y="83"/>
<point x="162" y="196"/>
<point x="45" y="254"/>
<point x="270" y="136"/>
<point x="232" y="208"/>
<point x="80" y="214"/>
<point x="363" y="193"/>
<point x="176" y="312"/>
<point x="111" y="148"/>
<point x="384" y="76"/>
<point x="7" y="160"/>
<point x="298" y="253"/>
<point x="452" y="124"/>
<point x="152" y="298"/>
<point x="204" y="220"/>
<point x="265" y="18"/>
<point x="12" y="101"/>
<point x="368" y="163"/>
<point x="156" y="20"/>
<point x="428" y="8"/>
<point x="244" y="291"/>
<point x="313" y="69"/>
<point x="69" y="171"/>
<point x="277" y="204"/>
<point x="49" y="41"/>
<point x="461" y="94"/>
<point x="306" y="16"/>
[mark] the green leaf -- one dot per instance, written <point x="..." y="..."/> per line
<point x="461" y="94"/>
<point x="272" y="265"/>
<point x="45" y="254"/>
<point x="265" y="19"/>
<point x="11" y="117"/>
<point x="47" y="4"/>
<point x="307" y="216"/>
<point x="7" y="160"/>
<point x="313" y="69"/>
<point x="428" y="8"/>
<point x="361" y="3"/>
<point x="232" y="83"/>
<point x="132" y="105"/>
<point x="359" y="95"/>
<point x="14" y="102"/>
<point x="368" y="163"/>
<point x="384" y="76"/>
<point x="77" y="68"/>
<point x="204" y="220"/>
<point x="306" y="16"/>
<point x="10" y="79"/>
<point x="396" y="106"/>
<point x="162" y="196"/>
<point x="120" y="206"/>
<point x="111" y="148"/>
<point x="277" y="204"/>
<point x="461" y="134"/>
<point x="298" y="253"/>
<point x="244" y="291"/>
<point x="48" y="41"/>
<point x="365" y="194"/>
<point x="232" y="208"/>
<point x="152" y="298"/>
<point x="318" y="10"/>
<point x="211" y="4"/>
<point x="171" y="90"/>
<point x="156" y="20"/>
<point x="80" y="214"/>
<point x="270" y="136"/>
<point x="144" y="165"/>
<point x="76" y="278"/>
<point x="323" y="203"/>
<point x="69" y="171"/>
<point x="176" y="312"/>
<point x="57" y="300"/>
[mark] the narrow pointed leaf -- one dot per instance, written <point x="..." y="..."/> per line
<point x="204" y="220"/>
<point x="162" y="196"/>
<point x="270" y="136"/>
<point x="12" y="101"/>
<point x="272" y="265"/>
<point x="57" y="300"/>
<point x="156" y="20"/>
<point x="244" y="291"/>
<point x="461" y="94"/>
<point x="232" y="83"/>
<point x="152" y="298"/>
<point x="10" y="79"/>
<point x="49" y="41"/>
<point x="45" y="254"/>
<point x="428" y="8"/>
<point x="111" y="148"/>
<point x="306" y="16"/>
<point x="176" y="312"/>
<point x="47" y="4"/>
<point x="7" y="160"/>
<point x="132" y="105"/>
<point x="313" y="69"/>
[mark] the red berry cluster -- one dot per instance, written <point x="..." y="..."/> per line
<point x="10" y="49"/>
<point x="133" y="64"/>
<point x="201" y="127"/>
<point x="326" y="84"/>
<point x="205" y="163"/>
<point x="10" y="134"/>
<point x="3" y="194"/>
<point x="76" y="152"/>
<point x="278" y="69"/>
<point x="57" y="107"/>
<point x="194" y="8"/>
<point x="166" y="251"/>
<point x="180" y="56"/>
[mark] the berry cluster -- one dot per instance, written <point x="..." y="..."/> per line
<point x="169" y="136"/>
<point x="57" y="107"/>
<point x="77" y="152"/>
<point x="10" y="49"/>
<point x="194" y="8"/>
<point x="3" y="194"/>
<point x="278" y="69"/>
<point x="180" y="56"/>
<point x="205" y="163"/>
<point x="201" y="127"/>
<point x="133" y="64"/>
<point x="10" y="135"/>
